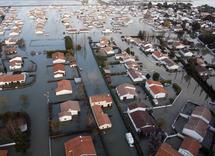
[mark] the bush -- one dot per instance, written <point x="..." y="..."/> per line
<point x="177" y="88"/>
<point x="156" y="76"/>
<point x="78" y="47"/>
<point x="68" y="42"/>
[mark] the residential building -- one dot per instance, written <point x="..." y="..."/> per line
<point x="59" y="70"/>
<point x="103" y="100"/>
<point x="126" y="91"/>
<point x="136" y="75"/>
<point x="156" y="89"/>
<point x="108" y="50"/>
<point x="80" y="146"/>
<point x="10" y="50"/>
<point x="63" y="87"/>
<point x="159" y="55"/>
<point x="16" y="78"/>
<point x="195" y="128"/>
<point x="58" y="57"/>
<point x="189" y="147"/>
<point x="131" y="65"/>
<point x="169" y="64"/>
<point x="15" y="63"/>
<point x="3" y="152"/>
<point x="167" y="150"/>
<point x="141" y="120"/>
<point x="102" y="119"/>
<point x="202" y="113"/>
<point x="103" y="42"/>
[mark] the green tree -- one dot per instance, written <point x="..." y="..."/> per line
<point x="68" y="42"/>
<point x="195" y="26"/>
<point x="155" y="76"/>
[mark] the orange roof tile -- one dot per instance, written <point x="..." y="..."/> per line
<point x="166" y="150"/>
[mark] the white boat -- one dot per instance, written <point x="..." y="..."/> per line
<point x="130" y="139"/>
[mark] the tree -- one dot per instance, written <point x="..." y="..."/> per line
<point x="195" y="26"/>
<point x="68" y="42"/>
<point x="149" y="5"/>
<point x="128" y="50"/>
<point x="156" y="76"/>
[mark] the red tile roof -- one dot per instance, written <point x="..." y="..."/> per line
<point x="3" y="152"/>
<point x="79" y="146"/>
<point x="153" y="82"/>
<point x="100" y="116"/>
<point x="63" y="85"/>
<point x="191" y="145"/>
<point x="101" y="97"/>
<point x="158" y="54"/>
<point x="11" y="78"/>
<point x="58" y="55"/>
<point x="126" y="88"/>
<point x="166" y="150"/>
<point x="197" y="125"/>
<point x="202" y="111"/>
<point x="73" y="105"/>
<point x="157" y="89"/>
<point x="58" y="66"/>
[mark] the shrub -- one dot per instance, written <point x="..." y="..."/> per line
<point x="177" y="88"/>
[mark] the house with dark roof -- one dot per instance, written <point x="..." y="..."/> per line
<point x="195" y="128"/>
<point x="126" y="91"/>
<point x="80" y="146"/>
<point x="141" y="119"/>
<point x="203" y="113"/>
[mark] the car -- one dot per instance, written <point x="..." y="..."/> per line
<point x="130" y="139"/>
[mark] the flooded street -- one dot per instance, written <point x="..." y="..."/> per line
<point x="114" y="139"/>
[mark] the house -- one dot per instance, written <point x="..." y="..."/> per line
<point x="58" y="57"/>
<point x="141" y="120"/>
<point x="203" y="71"/>
<point x="80" y="146"/>
<point x="10" y="50"/>
<point x="195" y="128"/>
<point x="167" y="150"/>
<point x="159" y="55"/>
<point x="16" y="78"/>
<point x="103" y="42"/>
<point x="202" y="113"/>
<point x="136" y="75"/>
<point x="73" y="62"/>
<point x="169" y="64"/>
<point x="126" y="91"/>
<point x="103" y="100"/>
<point x="59" y="70"/>
<point x="156" y="89"/>
<point x="102" y="119"/>
<point x="186" y="53"/>
<point x="15" y="63"/>
<point x="3" y="152"/>
<point x="63" y="87"/>
<point x="10" y="41"/>
<point x="131" y="65"/>
<point x="108" y="50"/>
<point x="179" y="45"/>
<point x="68" y="109"/>
<point x="189" y="147"/>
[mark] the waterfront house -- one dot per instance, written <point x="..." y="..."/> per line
<point x="108" y="50"/>
<point x="189" y="147"/>
<point x="185" y="53"/>
<point x="63" y="87"/>
<point x="203" y="71"/>
<point x="167" y="150"/>
<point x="141" y="120"/>
<point x="80" y="146"/>
<point x="102" y="119"/>
<point x="8" y="79"/>
<point x="136" y="75"/>
<point x="195" y="128"/>
<point x="126" y="91"/>
<point x="131" y="65"/>
<point x="3" y="152"/>
<point x="10" y="41"/>
<point x="59" y="70"/>
<point x="15" y="63"/>
<point x="58" y="57"/>
<point x="103" y="42"/>
<point x="169" y="64"/>
<point x="68" y="109"/>
<point x="159" y="55"/>
<point x="156" y="89"/>
<point x="10" y="50"/>
<point x="202" y="113"/>
<point x="103" y="100"/>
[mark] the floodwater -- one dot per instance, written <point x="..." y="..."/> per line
<point x="92" y="78"/>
